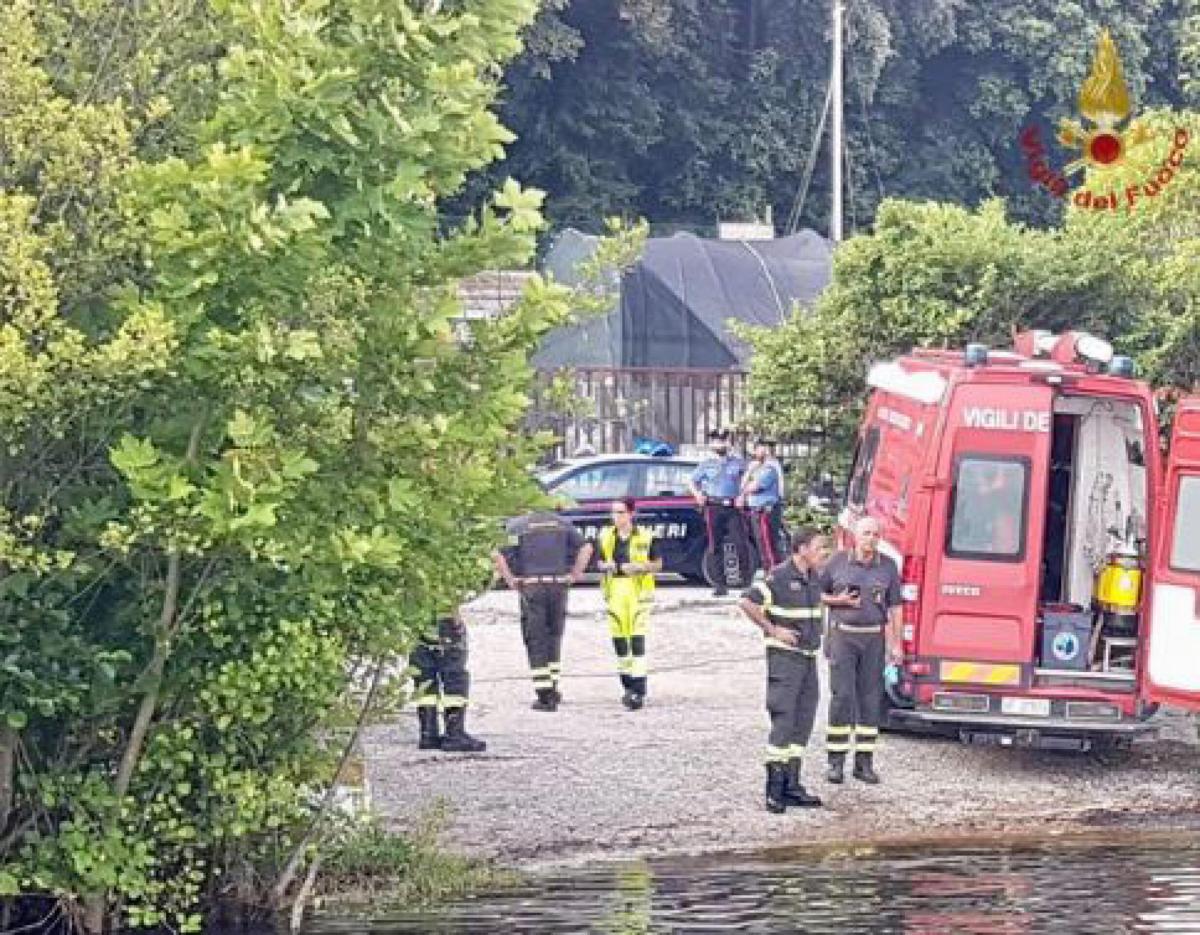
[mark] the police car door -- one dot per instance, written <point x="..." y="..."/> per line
<point x="591" y="490"/>
<point x="986" y="543"/>
<point x="1172" y="656"/>
<point x="666" y="507"/>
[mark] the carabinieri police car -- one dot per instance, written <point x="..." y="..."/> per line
<point x="664" y="505"/>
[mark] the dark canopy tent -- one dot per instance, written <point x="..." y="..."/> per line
<point x="676" y="300"/>
<point x="593" y="342"/>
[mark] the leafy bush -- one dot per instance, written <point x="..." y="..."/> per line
<point x="244" y="457"/>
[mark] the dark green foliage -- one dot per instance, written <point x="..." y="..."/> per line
<point x="683" y="111"/>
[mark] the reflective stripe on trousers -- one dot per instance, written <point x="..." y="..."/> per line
<point x="793" y="690"/>
<point x="543" y="622"/>
<point x="856" y="662"/>
<point x="442" y="677"/>
<point x="628" y="618"/>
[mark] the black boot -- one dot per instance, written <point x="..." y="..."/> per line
<point x="863" y="769"/>
<point x="776" y="783"/>
<point x="427" y="717"/>
<point x="546" y="700"/>
<point x="457" y="740"/>
<point x="837" y="766"/>
<point x="794" y="792"/>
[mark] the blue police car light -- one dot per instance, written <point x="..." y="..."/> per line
<point x="976" y="355"/>
<point x="1121" y="366"/>
<point x="653" y="447"/>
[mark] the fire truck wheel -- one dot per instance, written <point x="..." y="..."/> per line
<point x="1113" y="746"/>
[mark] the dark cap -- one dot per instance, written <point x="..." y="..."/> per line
<point x="721" y="435"/>
<point x="763" y="440"/>
<point x="802" y="536"/>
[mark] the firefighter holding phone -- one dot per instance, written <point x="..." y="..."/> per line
<point x="862" y="590"/>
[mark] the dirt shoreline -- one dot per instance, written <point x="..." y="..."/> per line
<point x="683" y="777"/>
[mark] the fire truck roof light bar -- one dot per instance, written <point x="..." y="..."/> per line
<point x="1093" y="348"/>
<point x="923" y="386"/>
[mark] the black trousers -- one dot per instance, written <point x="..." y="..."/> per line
<point x="543" y="623"/>
<point x="856" y="662"/>
<point x="442" y="676"/>
<point x="726" y="522"/>
<point x="793" y="690"/>
<point x="767" y="526"/>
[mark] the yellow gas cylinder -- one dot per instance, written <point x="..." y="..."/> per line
<point x="1119" y="589"/>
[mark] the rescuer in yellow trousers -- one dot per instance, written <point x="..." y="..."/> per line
<point x="629" y="558"/>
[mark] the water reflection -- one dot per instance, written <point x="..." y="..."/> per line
<point x="1111" y="889"/>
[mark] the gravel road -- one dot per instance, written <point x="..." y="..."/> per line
<point x="684" y="775"/>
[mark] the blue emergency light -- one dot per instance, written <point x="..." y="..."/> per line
<point x="1121" y="366"/>
<point x="976" y="355"/>
<point x="652" y="446"/>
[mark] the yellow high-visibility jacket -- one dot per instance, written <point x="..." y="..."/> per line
<point x="639" y="551"/>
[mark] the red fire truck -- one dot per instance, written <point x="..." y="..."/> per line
<point x="1049" y="548"/>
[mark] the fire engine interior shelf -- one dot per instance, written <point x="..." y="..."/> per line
<point x="1095" y="540"/>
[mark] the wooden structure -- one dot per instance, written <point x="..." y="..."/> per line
<point x="608" y="407"/>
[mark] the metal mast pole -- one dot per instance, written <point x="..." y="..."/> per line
<point x="835" y="139"/>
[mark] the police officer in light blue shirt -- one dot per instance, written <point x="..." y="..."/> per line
<point x="762" y="493"/>
<point x="716" y="485"/>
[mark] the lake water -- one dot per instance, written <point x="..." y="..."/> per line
<point x="1148" y="886"/>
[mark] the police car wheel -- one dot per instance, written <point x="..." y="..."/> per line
<point x="715" y="571"/>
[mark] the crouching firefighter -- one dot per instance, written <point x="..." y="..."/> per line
<point x="629" y="557"/>
<point x="787" y="607"/>
<point x="443" y="686"/>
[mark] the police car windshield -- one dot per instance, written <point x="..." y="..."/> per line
<point x="548" y="475"/>
<point x="554" y="474"/>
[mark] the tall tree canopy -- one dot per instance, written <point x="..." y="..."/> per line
<point x="688" y="110"/>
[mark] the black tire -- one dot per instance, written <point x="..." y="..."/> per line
<point x="1112" y="746"/>
<point x="713" y="569"/>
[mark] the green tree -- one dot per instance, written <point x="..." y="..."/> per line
<point x="938" y="275"/>
<point x="244" y="458"/>
<point x="682" y="111"/>
<point x="1159" y="228"/>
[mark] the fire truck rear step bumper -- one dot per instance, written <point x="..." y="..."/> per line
<point x="1042" y="732"/>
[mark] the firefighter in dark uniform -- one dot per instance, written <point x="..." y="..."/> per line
<point x="444" y="683"/>
<point x="716" y="485"/>
<point x="862" y="588"/>
<point x="544" y="556"/>
<point x="787" y="607"/>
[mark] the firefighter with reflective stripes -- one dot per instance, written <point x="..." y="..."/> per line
<point x="862" y="590"/>
<point x="787" y="607"/>
<point x="629" y="558"/>
<point x="444" y="684"/>
<point x="544" y="556"/>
